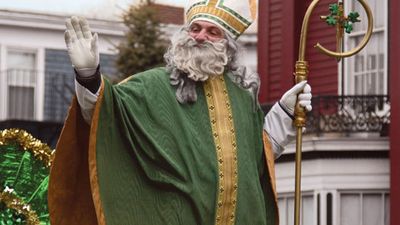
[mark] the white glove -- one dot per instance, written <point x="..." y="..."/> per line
<point x="82" y="46"/>
<point x="278" y="125"/>
<point x="288" y="100"/>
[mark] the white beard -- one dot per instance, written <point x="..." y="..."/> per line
<point x="188" y="62"/>
<point x="198" y="60"/>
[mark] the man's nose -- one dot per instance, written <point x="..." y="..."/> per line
<point x="201" y="36"/>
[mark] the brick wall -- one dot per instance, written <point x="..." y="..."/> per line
<point x="170" y="14"/>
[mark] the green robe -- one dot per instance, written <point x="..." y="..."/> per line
<point x="153" y="161"/>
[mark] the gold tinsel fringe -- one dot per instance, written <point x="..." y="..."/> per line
<point x="13" y="202"/>
<point x="41" y="151"/>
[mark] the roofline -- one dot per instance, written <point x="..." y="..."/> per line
<point x="48" y="21"/>
<point x="56" y="22"/>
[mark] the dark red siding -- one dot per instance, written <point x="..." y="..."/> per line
<point x="262" y="58"/>
<point x="394" y="71"/>
<point x="270" y="48"/>
<point x="323" y="75"/>
<point x="279" y="31"/>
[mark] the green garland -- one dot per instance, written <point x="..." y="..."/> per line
<point x="16" y="211"/>
<point x="24" y="172"/>
<point x="41" y="151"/>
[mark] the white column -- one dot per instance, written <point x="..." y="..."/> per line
<point x="3" y="83"/>
<point x="40" y="85"/>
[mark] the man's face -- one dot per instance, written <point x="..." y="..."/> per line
<point x="205" y="31"/>
<point x="199" y="51"/>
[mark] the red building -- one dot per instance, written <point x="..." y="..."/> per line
<point x="351" y="151"/>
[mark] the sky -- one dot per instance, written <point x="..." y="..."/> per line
<point x="101" y="9"/>
<point x="94" y="9"/>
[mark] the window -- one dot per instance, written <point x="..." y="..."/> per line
<point x="286" y="209"/>
<point x="366" y="208"/>
<point x="365" y="73"/>
<point x="335" y="207"/>
<point x="21" y="79"/>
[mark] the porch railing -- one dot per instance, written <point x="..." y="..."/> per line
<point x="348" y="114"/>
<point x="60" y="88"/>
<point x="19" y="89"/>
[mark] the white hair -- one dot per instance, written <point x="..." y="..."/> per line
<point x="189" y="62"/>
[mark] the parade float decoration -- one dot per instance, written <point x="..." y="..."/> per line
<point x="24" y="176"/>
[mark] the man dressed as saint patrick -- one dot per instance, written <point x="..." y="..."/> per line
<point x="184" y="144"/>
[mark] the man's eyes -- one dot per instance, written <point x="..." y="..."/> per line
<point x="212" y="32"/>
<point x="194" y="29"/>
<point x="215" y="32"/>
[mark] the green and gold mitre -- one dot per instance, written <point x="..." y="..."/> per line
<point x="24" y="176"/>
<point x="234" y="16"/>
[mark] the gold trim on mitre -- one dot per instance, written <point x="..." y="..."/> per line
<point x="253" y="9"/>
<point x="233" y="20"/>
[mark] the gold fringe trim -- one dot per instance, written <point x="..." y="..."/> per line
<point x="40" y="151"/>
<point x="13" y="202"/>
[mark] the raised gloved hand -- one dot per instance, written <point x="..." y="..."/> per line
<point x="288" y="100"/>
<point x="82" y="46"/>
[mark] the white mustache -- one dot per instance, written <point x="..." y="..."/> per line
<point x="199" y="60"/>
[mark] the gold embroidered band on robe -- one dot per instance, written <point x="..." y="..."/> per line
<point x="221" y="119"/>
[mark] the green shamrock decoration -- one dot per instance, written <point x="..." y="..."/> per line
<point x="348" y="27"/>
<point x="336" y="17"/>
<point x="334" y="8"/>
<point x="353" y="17"/>
<point x="330" y="20"/>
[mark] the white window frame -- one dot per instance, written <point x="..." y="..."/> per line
<point x="336" y="204"/>
<point x="40" y="80"/>
<point x="3" y="83"/>
<point x="347" y="67"/>
<point x="286" y="196"/>
<point x="357" y="192"/>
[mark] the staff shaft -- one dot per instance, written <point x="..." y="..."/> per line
<point x="298" y="176"/>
